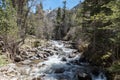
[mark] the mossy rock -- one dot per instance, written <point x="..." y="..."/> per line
<point x="36" y="43"/>
<point x="115" y="68"/>
<point x="3" y="60"/>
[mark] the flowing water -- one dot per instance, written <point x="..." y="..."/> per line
<point x="63" y="67"/>
<point x="55" y="61"/>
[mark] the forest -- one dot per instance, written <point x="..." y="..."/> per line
<point x="81" y="43"/>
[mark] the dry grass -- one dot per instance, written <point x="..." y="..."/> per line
<point x="32" y="41"/>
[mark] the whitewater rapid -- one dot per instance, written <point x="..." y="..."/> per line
<point x="59" y="66"/>
<point x="57" y="60"/>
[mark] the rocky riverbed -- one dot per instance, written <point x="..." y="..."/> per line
<point x="57" y="60"/>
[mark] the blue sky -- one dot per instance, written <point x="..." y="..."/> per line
<point x="47" y="4"/>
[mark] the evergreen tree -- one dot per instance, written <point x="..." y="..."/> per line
<point x="59" y="16"/>
<point x="96" y="24"/>
<point x="57" y="30"/>
<point x="64" y="10"/>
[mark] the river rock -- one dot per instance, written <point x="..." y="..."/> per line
<point x="71" y="55"/>
<point x="26" y="62"/>
<point x="37" y="78"/>
<point x="18" y="58"/>
<point x="63" y="59"/>
<point x="87" y="77"/>
<point x="60" y="70"/>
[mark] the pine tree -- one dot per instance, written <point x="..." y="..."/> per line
<point x="94" y="27"/>
<point x="59" y="16"/>
<point x="57" y="30"/>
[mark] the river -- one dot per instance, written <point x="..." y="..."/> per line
<point x="56" y="61"/>
<point x="65" y="65"/>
